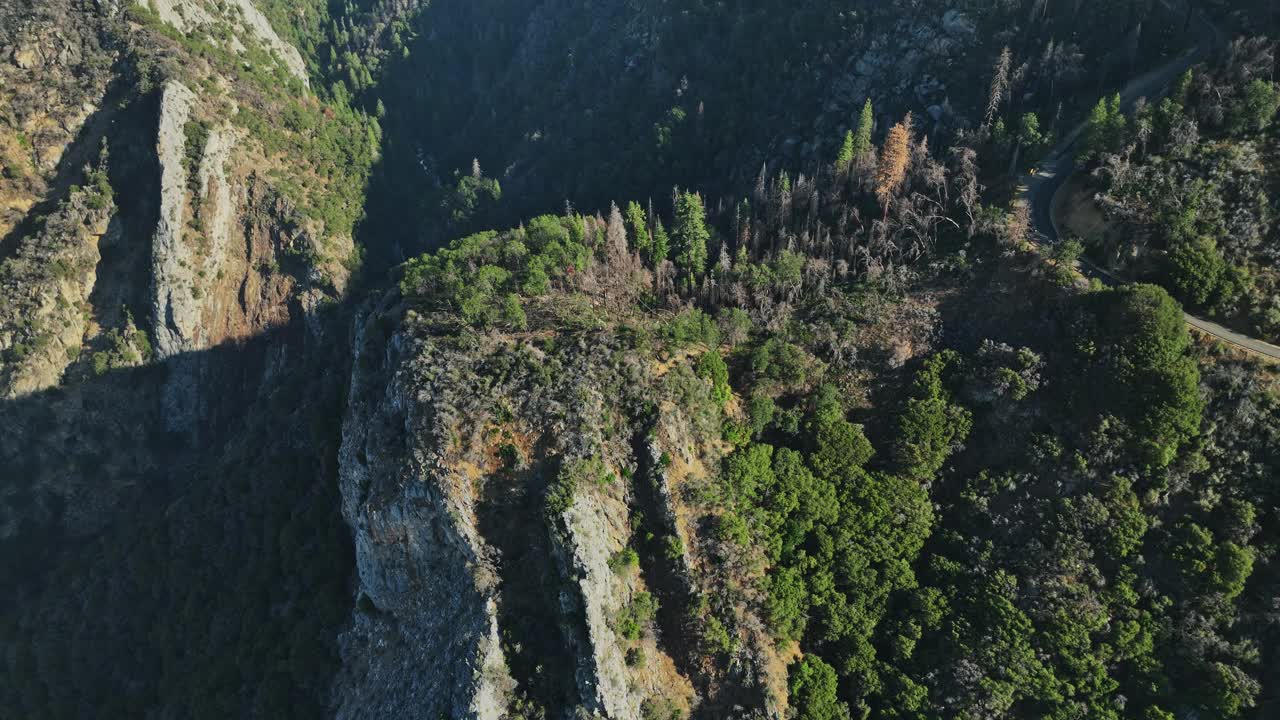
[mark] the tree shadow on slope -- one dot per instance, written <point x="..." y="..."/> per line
<point x="153" y="574"/>
<point x="511" y="519"/>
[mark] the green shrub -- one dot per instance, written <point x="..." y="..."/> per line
<point x="734" y="325"/>
<point x="716" y="639"/>
<point x="660" y="709"/>
<point x="624" y="560"/>
<point x="691" y="327"/>
<point x="1196" y="269"/>
<point x="813" y="691"/>
<point x="779" y="361"/>
<point x="560" y="495"/>
<point x="636" y="615"/>
<point x="711" y="367"/>
<point x="736" y="433"/>
<point x="673" y="548"/>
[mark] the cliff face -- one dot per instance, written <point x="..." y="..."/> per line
<point x="173" y="309"/>
<point x="147" y="217"/>
<point x="227" y="249"/>
<point x="43" y="323"/>
<point x="201" y="219"/>
<point x="424" y="640"/>
<point x="54" y="70"/>
<point x="513" y="529"/>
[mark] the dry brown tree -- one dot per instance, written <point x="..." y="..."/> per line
<point x="894" y="160"/>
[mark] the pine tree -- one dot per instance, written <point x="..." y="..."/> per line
<point x="1095" y="135"/>
<point x="845" y="158"/>
<point x="866" y="124"/>
<point x="661" y="243"/>
<point x="1182" y="87"/>
<point x="1028" y="136"/>
<point x="1106" y="127"/>
<point x="638" y="228"/>
<point x="691" y="236"/>
<point x="1116" y="122"/>
<point x="894" y="158"/>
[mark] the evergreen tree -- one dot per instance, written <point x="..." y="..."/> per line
<point x="1028" y="137"/>
<point x="661" y="243"/>
<point x="866" y="124"/>
<point x="691" y="236"/>
<point x="1182" y="87"/>
<point x="845" y="158"/>
<point x="1256" y="109"/>
<point x="813" y="690"/>
<point x="1196" y="268"/>
<point x="638" y="228"/>
<point x="1116" y="122"/>
<point x="1106" y="127"/>
<point x="857" y="144"/>
<point x="1095" y="133"/>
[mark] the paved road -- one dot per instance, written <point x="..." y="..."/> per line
<point x="1039" y="190"/>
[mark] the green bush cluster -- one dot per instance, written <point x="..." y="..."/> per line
<point x="483" y="277"/>
<point x="636" y="615"/>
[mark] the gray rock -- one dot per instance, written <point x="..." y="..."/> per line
<point x="602" y="676"/>
<point x="431" y="646"/>
<point x="174" y="310"/>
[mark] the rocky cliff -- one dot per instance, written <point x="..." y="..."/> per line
<point x="149" y="215"/>
<point x="424" y="640"/>
<point x="98" y="97"/>
<point x="514" y="529"/>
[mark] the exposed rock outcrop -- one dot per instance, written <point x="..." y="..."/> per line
<point x="45" y="289"/>
<point x="595" y="523"/>
<point x="53" y="77"/>
<point x="454" y="449"/>
<point x="215" y="188"/>
<point x="189" y="16"/>
<point x="261" y="29"/>
<point x="185" y="15"/>
<point x="173" y="306"/>
<point x="222" y="240"/>
<point x="425" y="643"/>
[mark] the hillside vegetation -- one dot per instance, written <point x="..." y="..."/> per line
<point x="1192" y="182"/>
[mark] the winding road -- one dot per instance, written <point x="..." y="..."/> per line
<point x="1038" y="190"/>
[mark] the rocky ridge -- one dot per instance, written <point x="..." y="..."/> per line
<point x="142" y="218"/>
<point x="244" y="19"/>
<point x="492" y="486"/>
